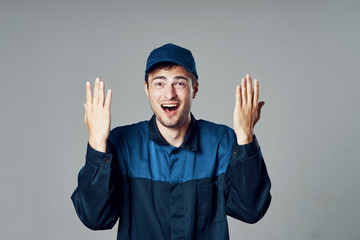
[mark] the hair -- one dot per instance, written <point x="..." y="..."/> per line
<point x="170" y="65"/>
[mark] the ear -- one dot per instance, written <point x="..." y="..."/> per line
<point x="146" y="89"/>
<point x="195" y="90"/>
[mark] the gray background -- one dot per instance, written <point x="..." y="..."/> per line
<point x="305" y="53"/>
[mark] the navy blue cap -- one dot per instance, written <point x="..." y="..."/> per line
<point x="174" y="54"/>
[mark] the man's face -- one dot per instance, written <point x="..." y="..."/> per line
<point x="170" y="93"/>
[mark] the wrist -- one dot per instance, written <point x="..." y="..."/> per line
<point x="243" y="139"/>
<point x="97" y="145"/>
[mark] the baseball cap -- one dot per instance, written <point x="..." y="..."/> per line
<point x="174" y="54"/>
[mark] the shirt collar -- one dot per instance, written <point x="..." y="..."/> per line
<point x="191" y="139"/>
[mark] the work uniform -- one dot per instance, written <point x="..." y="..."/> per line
<point x="161" y="192"/>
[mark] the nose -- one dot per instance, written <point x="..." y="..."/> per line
<point x="170" y="92"/>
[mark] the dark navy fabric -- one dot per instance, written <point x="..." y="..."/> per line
<point x="174" y="54"/>
<point x="158" y="191"/>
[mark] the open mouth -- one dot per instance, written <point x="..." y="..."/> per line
<point x="170" y="109"/>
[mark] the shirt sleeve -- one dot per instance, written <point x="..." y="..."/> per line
<point x="96" y="198"/>
<point x="247" y="183"/>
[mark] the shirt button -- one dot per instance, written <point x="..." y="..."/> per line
<point x="106" y="160"/>
<point x="236" y="151"/>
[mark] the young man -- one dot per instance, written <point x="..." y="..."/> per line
<point x="172" y="177"/>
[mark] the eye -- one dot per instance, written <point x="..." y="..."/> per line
<point x="181" y="84"/>
<point x="158" y="84"/>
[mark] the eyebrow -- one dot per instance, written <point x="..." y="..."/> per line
<point x="181" y="77"/>
<point x="175" y="78"/>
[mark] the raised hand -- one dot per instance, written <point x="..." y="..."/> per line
<point x="97" y="115"/>
<point x="247" y="109"/>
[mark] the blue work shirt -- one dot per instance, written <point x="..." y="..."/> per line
<point x="161" y="192"/>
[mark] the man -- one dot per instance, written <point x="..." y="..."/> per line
<point x="172" y="177"/>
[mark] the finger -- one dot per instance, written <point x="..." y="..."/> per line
<point x="249" y="89"/>
<point x="238" y="96"/>
<point x="101" y="93"/>
<point x="256" y="93"/>
<point x="85" y="112"/>
<point x="96" y="90"/>
<point x="108" y="99"/>
<point x="88" y="93"/>
<point x="243" y="91"/>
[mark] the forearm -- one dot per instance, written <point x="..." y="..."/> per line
<point x="95" y="198"/>
<point x="247" y="184"/>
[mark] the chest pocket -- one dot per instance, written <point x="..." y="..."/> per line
<point x="210" y="204"/>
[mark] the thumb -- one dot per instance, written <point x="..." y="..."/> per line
<point x="258" y="113"/>
<point x="260" y="105"/>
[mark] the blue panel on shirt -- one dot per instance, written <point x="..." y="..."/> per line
<point x="140" y="157"/>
